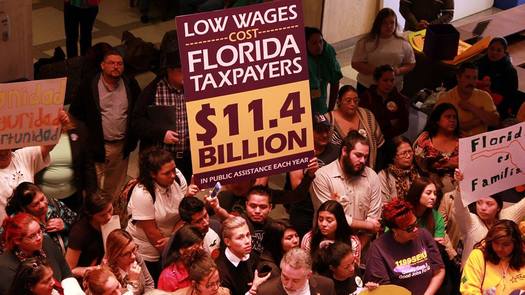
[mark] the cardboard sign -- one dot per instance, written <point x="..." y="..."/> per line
<point x="492" y="162"/>
<point x="247" y="91"/>
<point x="29" y="112"/>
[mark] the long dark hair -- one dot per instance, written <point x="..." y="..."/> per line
<point x="505" y="228"/>
<point x="432" y="126"/>
<point x="414" y="195"/>
<point x="95" y="203"/>
<point x="151" y="161"/>
<point x="22" y="197"/>
<point x="330" y="257"/>
<point x="374" y="33"/>
<point x="185" y="237"/>
<point x="29" y="273"/>
<point x="343" y="230"/>
<point x="273" y="235"/>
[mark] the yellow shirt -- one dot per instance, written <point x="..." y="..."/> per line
<point x="475" y="269"/>
<point x="479" y="98"/>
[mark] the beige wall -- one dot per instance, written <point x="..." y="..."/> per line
<point x="16" y="53"/>
<point x="345" y="19"/>
<point x="312" y="10"/>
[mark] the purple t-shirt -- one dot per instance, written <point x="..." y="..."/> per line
<point x="410" y="265"/>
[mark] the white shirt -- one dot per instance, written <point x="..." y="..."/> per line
<point x="212" y="243"/>
<point x="233" y="258"/>
<point x="305" y="290"/>
<point x="392" y="51"/>
<point x="165" y="212"/>
<point x="25" y="163"/>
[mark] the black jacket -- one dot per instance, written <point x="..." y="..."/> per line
<point x="86" y="108"/>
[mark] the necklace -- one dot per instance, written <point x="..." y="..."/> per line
<point x="505" y="269"/>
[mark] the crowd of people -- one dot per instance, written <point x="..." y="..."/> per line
<point x="372" y="208"/>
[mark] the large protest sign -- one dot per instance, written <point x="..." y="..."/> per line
<point x="29" y="112"/>
<point x="492" y="162"/>
<point x="247" y="92"/>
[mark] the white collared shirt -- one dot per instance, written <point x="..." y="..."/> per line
<point x="233" y="258"/>
<point x="305" y="290"/>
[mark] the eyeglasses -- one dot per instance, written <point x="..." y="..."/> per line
<point x="405" y="154"/>
<point x="410" y="228"/>
<point x="34" y="236"/>
<point x="128" y="253"/>
<point x="113" y="63"/>
<point x="355" y="100"/>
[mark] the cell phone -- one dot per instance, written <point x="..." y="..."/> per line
<point x="216" y="190"/>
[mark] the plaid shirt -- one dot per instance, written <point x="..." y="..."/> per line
<point x="170" y="96"/>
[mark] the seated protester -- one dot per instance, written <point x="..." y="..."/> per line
<point x="34" y="276"/>
<point x="237" y="264"/>
<point x="388" y="105"/>
<point x="351" y="183"/>
<point x="423" y="196"/>
<point x="101" y="281"/>
<point x="436" y="149"/>
<point x="22" y="165"/>
<point x="397" y="177"/>
<point x="337" y="261"/>
<point x="488" y="210"/>
<point x="256" y="214"/>
<point x="124" y="262"/>
<point x="348" y="117"/>
<point x="302" y="213"/>
<point x="497" y="264"/>
<point x="204" y="276"/>
<point x="154" y="205"/>
<point x="186" y="242"/>
<point x="331" y="226"/>
<point x="86" y="247"/>
<point x="476" y="110"/>
<point x="498" y="76"/>
<point x="71" y="173"/>
<point x="23" y="240"/>
<point x="389" y="259"/>
<point x="193" y="211"/>
<point x="279" y="238"/>
<point x="297" y="277"/>
<point x="233" y="197"/>
<point x="55" y="218"/>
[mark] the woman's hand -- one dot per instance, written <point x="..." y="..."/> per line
<point x="54" y="225"/>
<point x="134" y="272"/>
<point x="458" y="175"/>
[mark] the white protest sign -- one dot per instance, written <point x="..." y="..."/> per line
<point x="492" y="162"/>
<point x="29" y="112"/>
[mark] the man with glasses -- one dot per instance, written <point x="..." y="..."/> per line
<point x="105" y="104"/>
<point x="350" y="182"/>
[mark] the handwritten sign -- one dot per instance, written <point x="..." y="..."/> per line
<point x="247" y="91"/>
<point x="29" y="112"/>
<point x="492" y="162"/>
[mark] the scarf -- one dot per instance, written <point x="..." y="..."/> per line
<point x="401" y="176"/>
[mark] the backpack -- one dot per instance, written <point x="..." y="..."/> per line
<point x="120" y="205"/>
